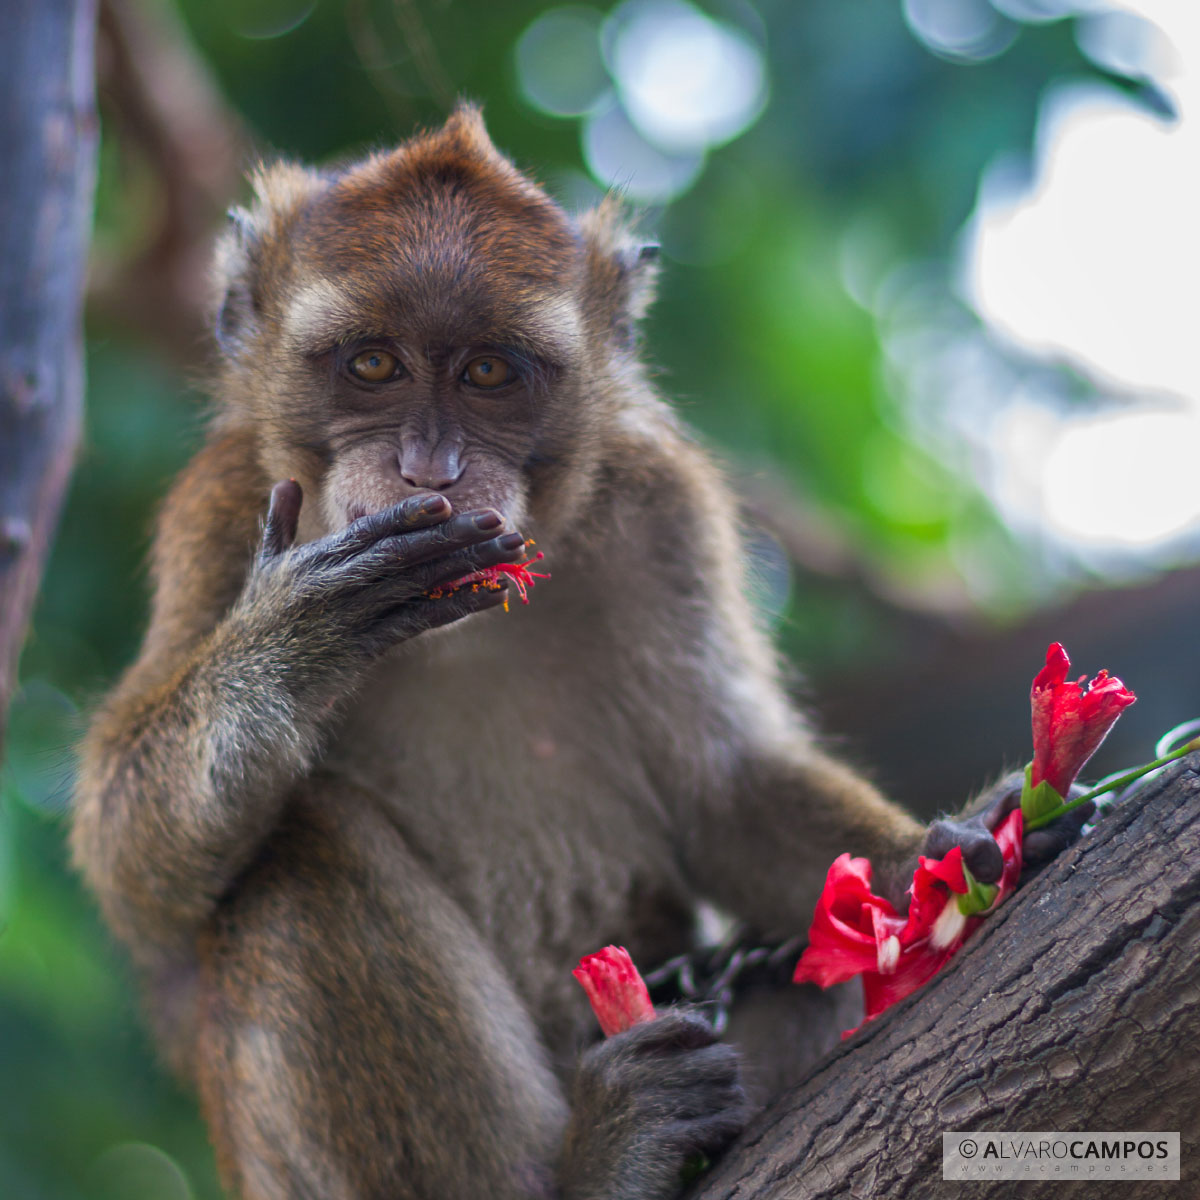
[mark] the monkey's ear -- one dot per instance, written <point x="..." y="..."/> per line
<point x="238" y="250"/>
<point x="280" y="189"/>
<point x="622" y="269"/>
<point x="465" y="131"/>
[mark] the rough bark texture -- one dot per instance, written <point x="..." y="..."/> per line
<point x="1076" y="1007"/>
<point x="48" y="147"/>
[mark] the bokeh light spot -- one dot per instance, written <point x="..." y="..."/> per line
<point x="1117" y="481"/>
<point x="1099" y="261"/>
<point x="1126" y="44"/>
<point x="1034" y="12"/>
<point x="559" y="65"/>
<point x="263" y="19"/>
<point x="687" y="81"/>
<point x="967" y="30"/>
<point x="136" y="1169"/>
<point x="618" y="155"/>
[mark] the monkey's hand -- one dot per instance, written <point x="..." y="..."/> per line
<point x="646" y="1100"/>
<point x="364" y="588"/>
<point x="974" y="830"/>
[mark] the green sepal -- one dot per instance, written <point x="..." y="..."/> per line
<point x="1037" y="801"/>
<point x="978" y="897"/>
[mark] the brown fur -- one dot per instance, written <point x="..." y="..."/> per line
<point x="358" y="883"/>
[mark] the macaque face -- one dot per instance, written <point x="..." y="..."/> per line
<point x="425" y="337"/>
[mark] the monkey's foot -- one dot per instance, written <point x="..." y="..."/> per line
<point x="645" y="1102"/>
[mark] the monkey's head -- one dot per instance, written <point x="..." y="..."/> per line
<point x="428" y="319"/>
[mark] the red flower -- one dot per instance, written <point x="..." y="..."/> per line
<point x="1070" y="720"/>
<point x="489" y="577"/>
<point x="617" y="992"/>
<point x="852" y="931"/>
<point x="856" y="932"/>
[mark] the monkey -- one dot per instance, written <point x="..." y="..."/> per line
<point x="354" y="823"/>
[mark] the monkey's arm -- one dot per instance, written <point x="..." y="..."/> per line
<point x="762" y="849"/>
<point x="147" y="834"/>
<point x="766" y="809"/>
<point x="187" y="764"/>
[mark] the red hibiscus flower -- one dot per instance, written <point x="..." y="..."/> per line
<point x="856" y="932"/>
<point x="617" y="992"/>
<point x="490" y="579"/>
<point x="853" y="930"/>
<point x="1070" y="720"/>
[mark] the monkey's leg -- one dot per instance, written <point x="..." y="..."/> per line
<point x="783" y="1030"/>
<point x="358" y="1041"/>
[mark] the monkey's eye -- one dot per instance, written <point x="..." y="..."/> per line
<point x="489" y="371"/>
<point x="375" y="366"/>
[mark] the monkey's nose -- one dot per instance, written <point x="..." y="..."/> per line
<point x="436" y="472"/>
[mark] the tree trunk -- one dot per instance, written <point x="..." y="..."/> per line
<point x="1075" y="1007"/>
<point x="48" y="139"/>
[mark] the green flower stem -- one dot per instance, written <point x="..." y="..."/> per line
<point x="1112" y="785"/>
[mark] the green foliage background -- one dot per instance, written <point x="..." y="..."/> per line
<point x="755" y="333"/>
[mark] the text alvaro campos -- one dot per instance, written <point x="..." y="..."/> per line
<point x="1060" y="1156"/>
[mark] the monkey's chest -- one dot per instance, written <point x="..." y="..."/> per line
<point x="532" y="803"/>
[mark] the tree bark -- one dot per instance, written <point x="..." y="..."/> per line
<point x="48" y="139"/>
<point x="1075" y="1007"/>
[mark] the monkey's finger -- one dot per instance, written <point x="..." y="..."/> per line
<point x="439" y="541"/>
<point x="1008" y="799"/>
<point x="507" y="548"/>
<point x="983" y="857"/>
<point x="711" y="1134"/>
<point x="283" y="518"/>
<point x="414" y="512"/>
<point x="418" y="616"/>
<point x="1042" y="845"/>
<point x="382" y="587"/>
<point x="673" y="1030"/>
<point x="981" y="853"/>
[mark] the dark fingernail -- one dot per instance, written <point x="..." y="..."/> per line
<point x="434" y="504"/>
<point x="511" y="541"/>
<point x="489" y="520"/>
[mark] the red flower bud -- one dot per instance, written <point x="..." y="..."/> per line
<point x="1070" y="720"/>
<point x="617" y="992"/>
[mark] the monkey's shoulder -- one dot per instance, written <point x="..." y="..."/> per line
<point x="206" y="531"/>
<point x="652" y="455"/>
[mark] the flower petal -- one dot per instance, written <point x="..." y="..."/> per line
<point x="914" y="970"/>
<point x="848" y="926"/>
<point x="856" y="932"/>
<point x="617" y="992"/>
<point x="933" y="881"/>
<point x="1070" y="720"/>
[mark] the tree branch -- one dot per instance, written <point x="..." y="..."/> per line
<point x="1076" y="1007"/>
<point x="165" y="103"/>
<point x="48" y="147"/>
